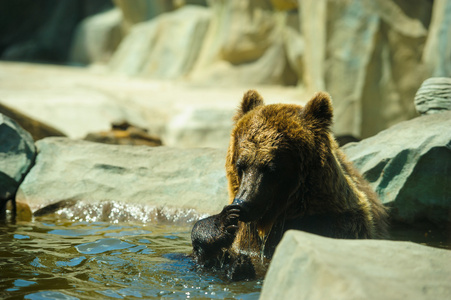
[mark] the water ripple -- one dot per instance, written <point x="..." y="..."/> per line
<point x="60" y="259"/>
<point x="102" y="246"/>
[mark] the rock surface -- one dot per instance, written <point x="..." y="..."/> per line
<point x="409" y="166"/>
<point x="79" y="101"/>
<point x="434" y="96"/>
<point x="17" y="153"/>
<point x="68" y="172"/>
<point x="65" y="98"/>
<point x="141" y="10"/>
<point x="150" y="48"/>
<point x="378" y="45"/>
<point x="245" y="43"/>
<point x="37" y="129"/>
<point x="96" y="38"/>
<point x="307" y="266"/>
<point x="386" y="48"/>
<point x="437" y="51"/>
<point x="206" y="126"/>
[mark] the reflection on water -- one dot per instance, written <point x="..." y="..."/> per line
<point x="50" y="258"/>
<point x="106" y="251"/>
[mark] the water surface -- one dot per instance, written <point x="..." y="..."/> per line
<point x="116" y="252"/>
<point x="52" y="258"/>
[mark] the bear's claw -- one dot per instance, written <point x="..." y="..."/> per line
<point x="230" y="216"/>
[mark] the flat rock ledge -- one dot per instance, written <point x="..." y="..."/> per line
<point x="93" y="177"/>
<point x="307" y="266"/>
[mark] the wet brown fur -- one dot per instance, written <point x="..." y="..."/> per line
<point x="285" y="171"/>
<point x="330" y="186"/>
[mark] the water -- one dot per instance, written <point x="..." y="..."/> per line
<point x="53" y="258"/>
<point x="117" y="252"/>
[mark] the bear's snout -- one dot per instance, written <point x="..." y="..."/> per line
<point x="253" y="196"/>
<point x="248" y="212"/>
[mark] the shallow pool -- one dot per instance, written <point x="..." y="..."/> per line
<point x="52" y="258"/>
<point x="114" y="251"/>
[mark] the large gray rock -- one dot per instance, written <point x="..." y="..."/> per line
<point x="166" y="47"/>
<point x="409" y="166"/>
<point x="246" y="44"/>
<point x="67" y="99"/>
<point x="200" y="127"/>
<point x="79" y="101"/>
<point x="142" y="10"/>
<point x="437" y="50"/>
<point x="366" y="54"/>
<point x="307" y="266"/>
<point x="96" y="38"/>
<point x="73" y="172"/>
<point x="17" y="153"/>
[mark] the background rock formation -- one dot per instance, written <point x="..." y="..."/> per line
<point x="370" y="55"/>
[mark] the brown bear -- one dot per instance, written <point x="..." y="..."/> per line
<point x="285" y="171"/>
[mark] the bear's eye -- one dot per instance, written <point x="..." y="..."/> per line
<point x="271" y="167"/>
<point x="240" y="167"/>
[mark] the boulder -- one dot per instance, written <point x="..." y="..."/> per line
<point x="437" y="50"/>
<point x="84" y="174"/>
<point x="66" y="99"/>
<point x="409" y="166"/>
<point x="165" y="47"/>
<point x="96" y="38"/>
<point x="79" y="101"/>
<point x="17" y="154"/>
<point x="142" y="10"/>
<point x="200" y="127"/>
<point x="434" y="96"/>
<point x="378" y="46"/>
<point x="245" y="44"/>
<point x="307" y="266"/>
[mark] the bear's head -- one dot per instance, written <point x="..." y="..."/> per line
<point x="274" y="151"/>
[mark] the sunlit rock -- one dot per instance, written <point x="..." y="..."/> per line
<point x="200" y="127"/>
<point x="366" y="54"/>
<point x="68" y="172"/>
<point x="437" y="50"/>
<point x="142" y="10"/>
<point x="244" y="44"/>
<point x="96" y="38"/>
<point x="165" y="47"/>
<point x="307" y="266"/>
<point x="409" y="166"/>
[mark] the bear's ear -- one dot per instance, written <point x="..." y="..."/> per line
<point x="318" y="111"/>
<point x="251" y="100"/>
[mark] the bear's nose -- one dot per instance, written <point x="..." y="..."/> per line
<point x="245" y="210"/>
<point x="238" y="201"/>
